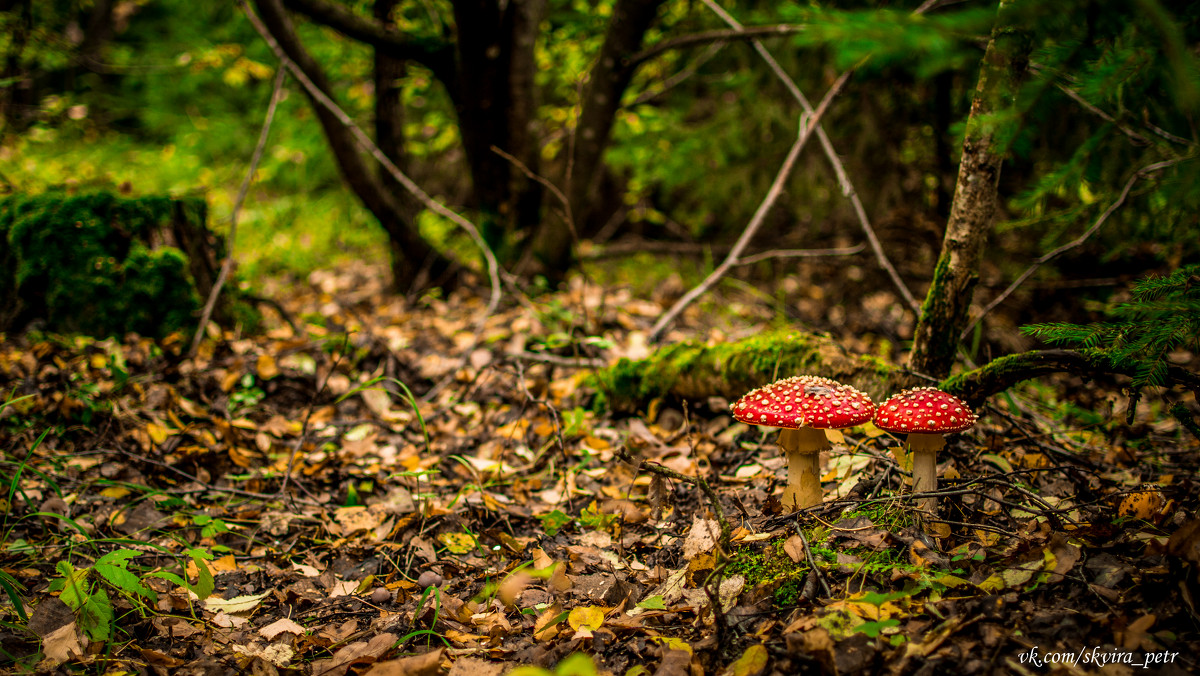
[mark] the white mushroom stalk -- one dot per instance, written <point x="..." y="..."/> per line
<point x="804" y="406"/>
<point x="926" y="415"/>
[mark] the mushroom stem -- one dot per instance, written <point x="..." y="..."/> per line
<point x="924" y="449"/>
<point x="803" y="450"/>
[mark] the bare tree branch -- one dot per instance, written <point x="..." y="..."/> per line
<point x="746" y="33"/>
<point x="807" y="124"/>
<point x="433" y="53"/>
<point x="839" y="169"/>
<point x="365" y="142"/>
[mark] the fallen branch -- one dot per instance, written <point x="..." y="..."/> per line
<point x="807" y="123"/>
<point x="839" y="169"/>
<point x="1000" y="374"/>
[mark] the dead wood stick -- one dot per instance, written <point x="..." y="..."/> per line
<point x="1116" y="204"/>
<point x="807" y="123"/>
<point x="365" y="142"/>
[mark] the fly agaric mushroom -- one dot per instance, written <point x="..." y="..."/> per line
<point x="926" y="414"/>
<point x="804" y="406"/>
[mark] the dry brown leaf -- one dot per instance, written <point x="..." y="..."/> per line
<point x="429" y="664"/>
<point x="280" y="626"/>
<point x="362" y="651"/>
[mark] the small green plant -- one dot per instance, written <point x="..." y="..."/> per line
<point x="554" y="522"/>
<point x="594" y="518"/>
<point x="86" y="590"/>
<point x="247" y="395"/>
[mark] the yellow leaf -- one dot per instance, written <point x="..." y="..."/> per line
<point x="751" y="663"/>
<point x="457" y="543"/>
<point x="591" y="617"/>
<point x="266" y="367"/>
<point x="158" y="433"/>
<point x="115" y="492"/>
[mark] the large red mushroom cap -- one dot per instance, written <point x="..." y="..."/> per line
<point x="924" y="410"/>
<point x="805" y="401"/>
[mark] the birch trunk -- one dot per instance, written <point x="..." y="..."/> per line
<point x="944" y="312"/>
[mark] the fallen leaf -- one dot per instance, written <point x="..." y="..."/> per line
<point x="751" y="663"/>
<point x="429" y="664"/>
<point x="279" y="626"/>
<point x="63" y="644"/>
<point x="702" y="537"/>
<point x="237" y="604"/>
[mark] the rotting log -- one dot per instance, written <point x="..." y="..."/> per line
<point x="696" y="371"/>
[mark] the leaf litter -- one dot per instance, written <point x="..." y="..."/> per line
<point x="294" y="503"/>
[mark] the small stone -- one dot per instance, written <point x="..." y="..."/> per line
<point x="381" y="595"/>
<point x="429" y="579"/>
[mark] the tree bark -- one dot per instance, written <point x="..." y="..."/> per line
<point x="496" y="107"/>
<point x="389" y="118"/>
<point x="944" y="312"/>
<point x="415" y="264"/>
<point x="552" y="252"/>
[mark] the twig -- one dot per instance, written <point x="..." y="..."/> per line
<point x="839" y="169"/>
<point x="1125" y="129"/>
<point x="800" y="253"/>
<point x="673" y="81"/>
<point x="227" y="264"/>
<point x="1148" y="169"/>
<point x="738" y="33"/>
<point x="558" y="194"/>
<point x="808" y="122"/>
<point x="557" y="360"/>
<point x="812" y="561"/>
<point x="713" y="498"/>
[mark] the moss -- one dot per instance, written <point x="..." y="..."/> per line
<point x="771" y="567"/>
<point x="693" y="370"/>
<point x="94" y="263"/>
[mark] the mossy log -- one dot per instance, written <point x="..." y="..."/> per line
<point x="696" y="371"/>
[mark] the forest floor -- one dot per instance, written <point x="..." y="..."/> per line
<point x="374" y="491"/>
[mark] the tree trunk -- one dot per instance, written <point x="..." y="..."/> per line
<point x="389" y="118"/>
<point x="496" y="108"/>
<point x="415" y="264"/>
<point x="944" y="312"/>
<point x="610" y="75"/>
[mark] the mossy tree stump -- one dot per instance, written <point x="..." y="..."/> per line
<point x="102" y="265"/>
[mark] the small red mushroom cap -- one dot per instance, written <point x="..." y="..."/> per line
<point x="805" y="401"/>
<point x="924" y="410"/>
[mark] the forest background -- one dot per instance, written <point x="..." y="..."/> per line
<point x="631" y="146"/>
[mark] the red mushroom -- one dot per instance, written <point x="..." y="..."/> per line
<point x="926" y="414"/>
<point x="804" y="406"/>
